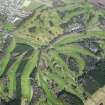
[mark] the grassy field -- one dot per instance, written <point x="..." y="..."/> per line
<point x="97" y="98"/>
<point x="47" y="49"/>
<point x="31" y="5"/>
